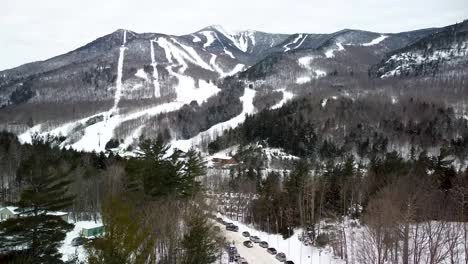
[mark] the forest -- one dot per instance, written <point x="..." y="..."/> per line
<point x="127" y="195"/>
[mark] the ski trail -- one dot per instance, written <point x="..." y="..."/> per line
<point x="118" y="85"/>
<point x="302" y="41"/>
<point x="157" y="90"/>
<point x="287" y="48"/>
<point x="216" y="130"/>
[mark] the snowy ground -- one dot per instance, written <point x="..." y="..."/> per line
<point x="68" y="251"/>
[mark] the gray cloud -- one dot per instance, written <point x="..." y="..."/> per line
<point x="35" y="30"/>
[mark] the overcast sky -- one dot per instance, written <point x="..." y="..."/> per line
<point x="39" y="29"/>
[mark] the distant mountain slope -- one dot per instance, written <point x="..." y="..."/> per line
<point x="124" y="85"/>
<point x="440" y="52"/>
<point x="343" y="51"/>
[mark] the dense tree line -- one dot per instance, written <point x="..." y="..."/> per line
<point x="401" y="204"/>
<point x="128" y="195"/>
<point x="369" y="127"/>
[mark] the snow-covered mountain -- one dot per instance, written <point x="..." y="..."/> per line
<point x="444" y="51"/>
<point x="126" y="84"/>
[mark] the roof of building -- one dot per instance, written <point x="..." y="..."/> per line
<point x="13" y="210"/>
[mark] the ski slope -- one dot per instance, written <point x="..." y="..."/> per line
<point x="375" y="41"/>
<point x="216" y="130"/>
<point x="331" y="52"/>
<point x="287" y="46"/>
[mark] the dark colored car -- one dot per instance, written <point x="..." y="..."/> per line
<point x="281" y="257"/>
<point x="246" y="234"/>
<point x="263" y="244"/>
<point x="242" y="261"/>
<point x="289" y="262"/>
<point x="272" y="251"/>
<point x="248" y="243"/>
<point x="255" y="239"/>
<point x="232" y="227"/>
<point x="78" y="241"/>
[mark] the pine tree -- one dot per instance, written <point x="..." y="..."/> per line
<point x="35" y="229"/>
<point x="199" y="242"/>
<point x="194" y="167"/>
<point x="127" y="237"/>
<point x="157" y="174"/>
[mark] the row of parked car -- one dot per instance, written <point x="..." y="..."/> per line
<point x="263" y="244"/>
<point x="229" y="226"/>
<point x="249" y="244"/>
<point x="234" y="256"/>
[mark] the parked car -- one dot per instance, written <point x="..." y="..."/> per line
<point x="289" y="262"/>
<point x="246" y="234"/>
<point x="78" y="241"/>
<point x="255" y="239"/>
<point x="272" y="251"/>
<point x="263" y="244"/>
<point x="248" y="243"/>
<point x="232" y="250"/>
<point x="281" y="257"/>
<point x="232" y="227"/>
<point x="242" y="261"/>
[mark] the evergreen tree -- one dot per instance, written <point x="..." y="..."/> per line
<point x="40" y="233"/>
<point x="199" y="242"/>
<point x="193" y="168"/>
<point x="127" y="238"/>
<point x="444" y="173"/>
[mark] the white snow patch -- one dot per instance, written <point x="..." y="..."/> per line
<point x="324" y="102"/>
<point x="286" y="97"/>
<point x="287" y="48"/>
<point x="157" y="89"/>
<point x="209" y="38"/>
<point x="305" y="61"/>
<point x="320" y="73"/>
<point x="141" y="74"/>
<point x="118" y="86"/>
<point x="331" y="52"/>
<point x="302" y="41"/>
<point x="196" y="39"/>
<point x="181" y="54"/>
<point x="221" y="72"/>
<point x="375" y="41"/>
<point x="227" y="52"/>
<point x="303" y="79"/>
